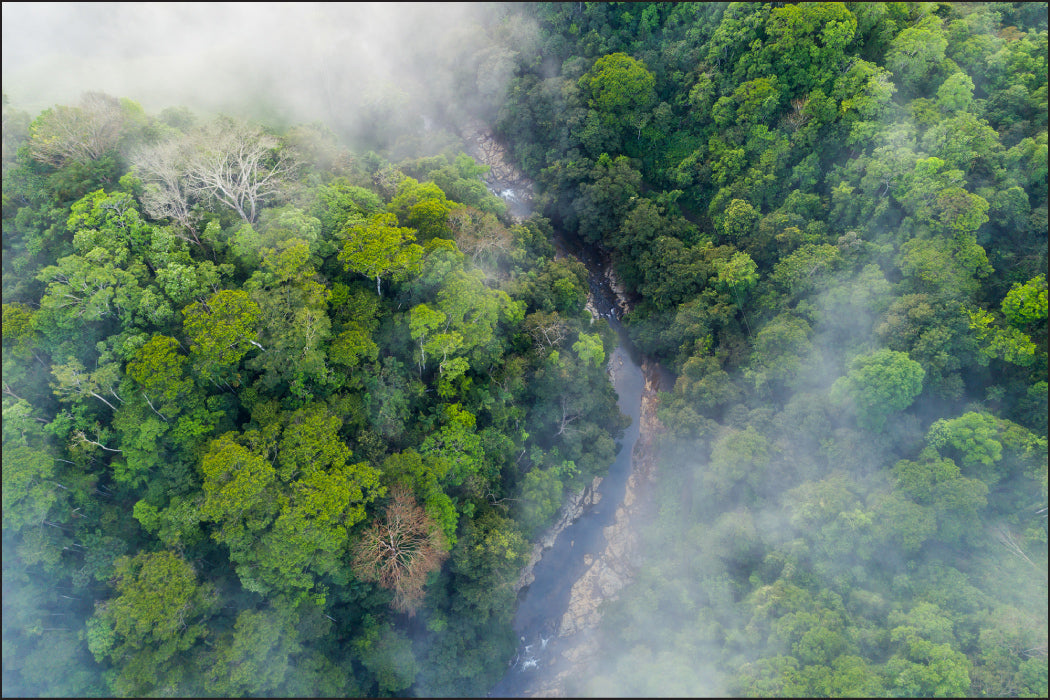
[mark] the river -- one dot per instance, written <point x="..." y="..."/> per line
<point x="547" y="634"/>
<point x="543" y="603"/>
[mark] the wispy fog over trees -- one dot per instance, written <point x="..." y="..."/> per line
<point x="288" y="394"/>
<point x="272" y="410"/>
<point x="829" y="216"/>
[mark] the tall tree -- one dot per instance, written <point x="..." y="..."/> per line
<point x="158" y="615"/>
<point x="77" y="134"/>
<point x="162" y="168"/>
<point x="877" y="385"/>
<point x="380" y="248"/>
<point x="221" y="329"/>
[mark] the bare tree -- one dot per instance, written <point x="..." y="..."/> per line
<point x="386" y="180"/>
<point x="81" y="438"/>
<point x="162" y="168"/>
<point x="236" y="164"/>
<point x="400" y="550"/>
<point x="1007" y="539"/>
<point x="546" y="328"/>
<point x="479" y="234"/>
<point x="568" y="415"/>
<point x="797" y="118"/>
<point x="80" y="134"/>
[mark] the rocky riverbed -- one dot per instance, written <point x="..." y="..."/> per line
<point x="571" y="645"/>
<point x="503" y="178"/>
<point x="614" y="568"/>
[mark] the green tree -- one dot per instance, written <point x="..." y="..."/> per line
<point x="158" y="368"/>
<point x="605" y="200"/>
<point x="423" y="207"/>
<point x="736" y="456"/>
<point x="258" y="655"/>
<point x="737" y="275"/>
<point x="963" y="142"/>
<point x="423" y="321"/>
<point x="286" y="520"/>
<point x="620" y="89"/>
<point x="916" y="52"/>
<point x="947" y="268"/>
<point x="221" y="330"/>
<point x="934" y="333"/>
<point x="877" y="385"/>
<point x="994" y="341"/>
<point x="239" y="492"/>
<point x="541" y="494"/>
<point x="807" y="43"/>
<point x="1025" y="304"/>
<point x="739" y="220"/>
<point x="19" y="336"/>
<point x="340" y="202"/>
<point x="293" y="320"/>
<point x="779" y="351"/>
<point x="388" y="656"/>
<point x="589" y="349"/>
<point x="925" y="668"/>
<point x="956" y="93"/>
<point x="357" y="316"/>
<point x="458" y="444"/>
<point x="157" y="615"/>
<point x="487" y="564"/>
<point x="74" y="383"/>
<point x="29" y="489"/>
<point x="381" y="248"/>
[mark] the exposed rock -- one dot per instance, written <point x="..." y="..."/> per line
<point x="570" y="512"/>
<point x="614" y="568"/>
<point x="503" y="178"/>
<point x="592" y="309"/>
<point x="617" y="287"/>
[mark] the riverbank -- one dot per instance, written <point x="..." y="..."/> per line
<point x="613" y="569"/>
<point x="553" y="650"/>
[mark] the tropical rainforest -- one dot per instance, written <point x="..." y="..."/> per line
<point x="286" y="404"/>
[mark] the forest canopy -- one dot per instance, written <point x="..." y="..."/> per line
<point x="286" y="404"/>
<point x="832" y="221"/>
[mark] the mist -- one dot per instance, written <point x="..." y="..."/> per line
<point x="847" y="469"/>
<point x="397" y="78"/>
<point x="352" y="66"/>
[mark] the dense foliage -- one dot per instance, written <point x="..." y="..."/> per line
<point x="281" y="418"/>
<point x="833" y="221"/>
<point x="272" y="427"/>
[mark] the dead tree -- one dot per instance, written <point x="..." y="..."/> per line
<point x="162" y="169"/>
<point x="546" y="328"/>
<point x="237" y="165"/>
<point x="400" y="550"/>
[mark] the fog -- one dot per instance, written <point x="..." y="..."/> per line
<point x="396" y="78"/>
<point x="353" y="66"/>
<point x="401" y="79"/>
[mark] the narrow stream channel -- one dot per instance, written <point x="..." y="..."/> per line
<point x="543" y="603"/>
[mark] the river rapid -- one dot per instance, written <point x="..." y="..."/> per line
<point x="588" y="555"/>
